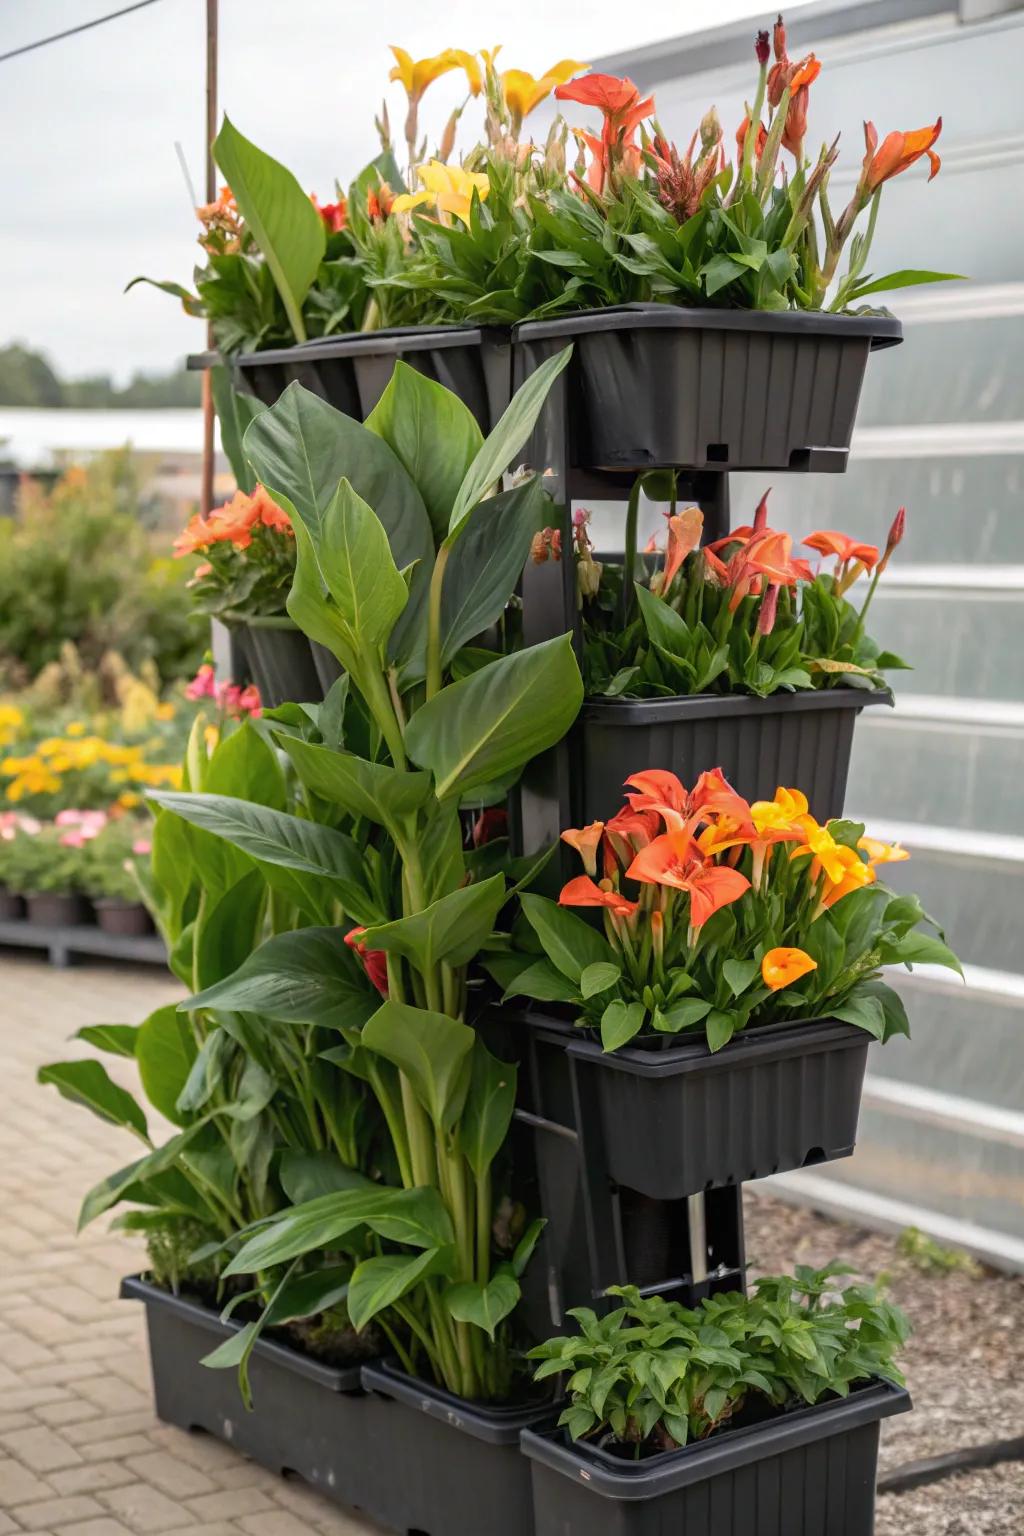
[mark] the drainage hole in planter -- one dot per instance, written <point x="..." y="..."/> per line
<point x="716" y="453"/>
<point x="815" y="1156"/>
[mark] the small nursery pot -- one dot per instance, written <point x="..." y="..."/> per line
<point x="808" y="1472"/>
<point x="801" y="740"/>
<point x="308" y="1418"/>
<point x="280" y="662"/>
<point x="352" y="371"/>
<point x="126" y="919"/>
<point x="57" y="909"/>
<point x="678" y="1119"/>
<point x="12" y="907"/>
<point x="443" y="1466"/>
<point x="723" y="389"/>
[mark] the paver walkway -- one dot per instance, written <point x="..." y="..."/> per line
<point x="81" y="1451"/>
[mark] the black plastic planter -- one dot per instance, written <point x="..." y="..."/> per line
<point x="442" y="1466"/>
<point x="126" y="919"/>
<point x="351" y="372"/>
<point x="57" y="909"/>
<point x="810" y="1472"/>
<point x="308" y="1418"/>
<point x="12" y="906"/>
<point x="800" y="740"/>
<point x="657" y="385"/>
<point x="677" y="1120"/>
<point x="280" y="662"/>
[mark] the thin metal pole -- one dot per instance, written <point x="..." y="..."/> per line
<point x="210" y="133"/>
<point x="697" y="1223"/>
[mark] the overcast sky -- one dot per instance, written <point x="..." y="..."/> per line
<point x="91" y="189"/>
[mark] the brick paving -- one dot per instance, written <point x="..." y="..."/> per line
<point x="81" y="1451"/>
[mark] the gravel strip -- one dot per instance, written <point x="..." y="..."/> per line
<point x="964" y="1365"/>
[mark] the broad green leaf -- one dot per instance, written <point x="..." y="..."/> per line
<point x="433" y="434"/>
<point x="380" y="1282"/>
<point x="487" y="725"/>
<point x="598" y="977"/>
<point x="234" y="413"/>
<point x="542" y="981"/>
<point x="306" y="1295"/>
<point x="381" y="794"/>
<point x="417" y="1217"/>
<point x="864" y="1011"/>
<point x="115" y="1039"/>
<point x="720" y="1028"/>
<point x="570" y="943"/>
<point x="307" y="1175"/>
<point x="130" y="1183"/>
<point x="361" y="576"/>
<point x="525" y="1246"/>
<point x="507" y="438"/>
<point x="165" y="1051"/>
<point x="487" y="1112"/>
<point x="207" y="1071"/>
<point x="920" y="949"/>
<point x="309" y="976"/>
<point x="431" y="1049"/>
<point x="278" y="838"/>
<point x="484" y="1305"/>
<point x="682" y="1015"/>
<point x="281" y="218"/>
<point x="454" y="928"/>
<point x="228" y="928"/>
<point x="88" y="1083"/>
<point x="485" y="565"/>
<point x="619" y="1023"/>
<point x="739" y="974"/>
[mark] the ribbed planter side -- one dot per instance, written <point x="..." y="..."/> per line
<point x="281" y="664"/>
<point x="308" y="1419"/>
<point x="809" y="1473"/>
<point x="709" y="389"/>
<point x="800" y="740"/>
<point x="679" y="1120"/>
<point x="442" y="1466"/>
<point x="57" y="909"/>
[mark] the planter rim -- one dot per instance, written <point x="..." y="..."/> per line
<point x="883" y="330"/>
<point x="492" y="1425"/>
<point x="706" y="706"/>
<point x="334" y="1378"/>
<point x="774" y="1042"/>
<point x="409" y="338"/>
<point x="264" y="621"/>
<point x="108" y="902"/>
<point x="613" y="1478"/>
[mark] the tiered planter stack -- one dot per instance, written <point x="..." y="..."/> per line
<point x="636" y="1159"/>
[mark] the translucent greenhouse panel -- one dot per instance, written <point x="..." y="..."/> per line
<point x="953" y="370"/>
<point x="964" y="1040"/>
<point x="976" y="895"/>
<point x="967" y="775"/>
<point x="967" y="643"/>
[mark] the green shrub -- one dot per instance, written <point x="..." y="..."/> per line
<point x="76" y="564"/>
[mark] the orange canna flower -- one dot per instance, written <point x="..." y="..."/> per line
<point x="741" y="139"/>
<point x="623" y="110"/>
<point x="781" y="967"/>
<point x="684" y="531"/>
<point x="675" y="859"/>
<point x="233" y="523"/>
<point x="882" y="853"/>
<point x="582" y="892"/>
<point x="827" y="542"/>
<point x="630" y="830"/>
<point x="898" y="153"/>
<point x="586" y="842"/>
<point x="657" y="789"/>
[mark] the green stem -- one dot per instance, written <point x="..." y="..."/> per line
<point x="434" y="621"/>
<point x="483" y="1227"/>
<point x="378" y="699"/>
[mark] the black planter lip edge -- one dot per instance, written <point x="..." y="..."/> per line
<point x="707" y="706"/>
<point x="882" y="330"/>
<point x="492" y="1425"/>
<point x="702" y="1460"/>
<point x="385" y="343"/>
<point x="333" y="1378"/>
<point x="775" y="1042"/>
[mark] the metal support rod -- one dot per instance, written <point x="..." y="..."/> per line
<point x="210" y="133"/>
<point x="696" y="1220"/>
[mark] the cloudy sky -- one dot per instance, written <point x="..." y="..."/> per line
<point x="91" y="187"/>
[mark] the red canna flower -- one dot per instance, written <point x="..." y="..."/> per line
<point x="674" y="859"/>
<point x="375" y="961"/>
<point x="491" y="823"/>
<point x="898" y="153"/>
<point x="761" y="50"/>
<point x="629" y="831"/>
<point x="741" y="139"/>
<point x="334" y="215"/>
<point x="582" y="892"/>
<point x="586" y="841"/>
<point x="768" y="611"/>
<point x="615" y="151"/>
<point x="896" y="532"/>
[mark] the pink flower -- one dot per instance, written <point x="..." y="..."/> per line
<point x="202" y="685"/>
<point x="141" y="846"/>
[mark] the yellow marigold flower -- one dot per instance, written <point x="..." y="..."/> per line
<point x="164" y="711"/>
<point x="128" y="799"/>
<point x="523" y="91"/>
<point x="75" y="728"/>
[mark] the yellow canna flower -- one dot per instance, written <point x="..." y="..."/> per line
<point x="75" y="728"/>
<point x="448" y="187"/>
<point x="523" y="91"/>
<point x="417" y="74"/>
<point x="128" y="800"/>
<point x="882" y="853"/>
<point x="164" y="711"/>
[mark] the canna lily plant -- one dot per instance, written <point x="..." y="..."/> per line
<point x="720" y="915"/>
<point x="742" y="614"/>
<point x="406" y="555"/>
